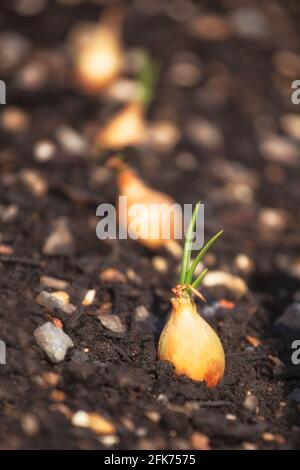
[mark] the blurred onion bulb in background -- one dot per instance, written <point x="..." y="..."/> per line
<point x="99" y="58"/>
<point x="146" y="225"/>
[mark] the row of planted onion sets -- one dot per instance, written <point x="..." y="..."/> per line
<point x="187" y="340"/>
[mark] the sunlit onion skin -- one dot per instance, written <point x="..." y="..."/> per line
<point x="100" y="59"/>
<point x="137" y="192"/>
<point x="127" y="128"/>
<point x="190" y="344"/>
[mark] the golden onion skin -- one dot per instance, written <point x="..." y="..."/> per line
<point x="125" y="129"/>
<point x="190" y="344"/>
<point x="100" y="59"/>
<point x="137" y="192"/>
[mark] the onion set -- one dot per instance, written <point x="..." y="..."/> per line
<point x="128" y="127"/>
<point x="147" y="224"/>
<point x="100" y="58"/>
<point x="187" y="340"/>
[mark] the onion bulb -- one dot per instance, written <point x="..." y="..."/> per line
<point x="190" y="344"/>
<point x="129" y="128"/>
<point x="100" y="58"/>
<point x="126" y="128"/>
<point x="187" y="340"/>
<point x="145" y="224"/>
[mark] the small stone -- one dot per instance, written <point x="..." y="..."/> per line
<point x="291" y="125"/>
<point x="80" y="419"/>
<point x="162" y="398"/>
<point x="230" y="417"/>
<point x="144" y="319"/>
<point x="33" y="75"/>
<point x="253" y="341"/>
<point x="54" y="283"/>
<point x="141" y="431"/>
<point x="231" y="282"/>
<point x="14" y="119"/>
<point x="60" y="241"/>
<point x="200" y="441"/>
<point x="112" y="275"/>
<point x="128" y="424"/>
<point x="44" y="150"/>
<point x="51" y="378"/>
<point x="6" y="250"/>
<point x="111" y="322"/>
<point x="288" y="324"/>
<point x="72" y="142"/>
<point x="89" y="297"/>
<point x="249" y="22"/>
<point x="34" y="182"/>
<point x="160" y="264"/>
<point x="109" y="441"/>
<point x="163" y="136"/>
<point x="294" y="395"/>
<point x="153" y="416"/>
<point x="205" y="133"/>
<point x="280" y="149"/>
<point x="272" y="219"/>
<point x="93" y="421"/>
<point x="141" y="313"/>
<point x="186" y="161"/>
<point x="244" y="263"/>
<point x="30" y="425"/>
<point x="53" y="341"/>
<point x="185" y="73"/>
<point x="268" y="437"/>
<point x="55" y="300"/>
<point x="249" y="446"/>
<point x="133" y="276"/>
<point x="13" y="49"/>
<point x="9" y="213"/>
<point x="251" y="403"/>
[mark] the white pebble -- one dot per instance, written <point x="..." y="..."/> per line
<point x="160" y="264"/>
<point x="89" y="297"/>
<point x="231" y="282"/>
<point x="71" y="141"/>
<point x="141" y="313"/>
<point x="80" y="419"/>
<point x="53" y="341"/>
<point x="108" y="440"/>
<point x="44" y="150"/>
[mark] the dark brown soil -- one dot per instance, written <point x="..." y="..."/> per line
<point x="120" y="377"/>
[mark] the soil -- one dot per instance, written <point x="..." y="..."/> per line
<point x="119" y="376"/>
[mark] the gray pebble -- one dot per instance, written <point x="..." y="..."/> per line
<point x="53" y="341"/>
<point x="111" y="322"/>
